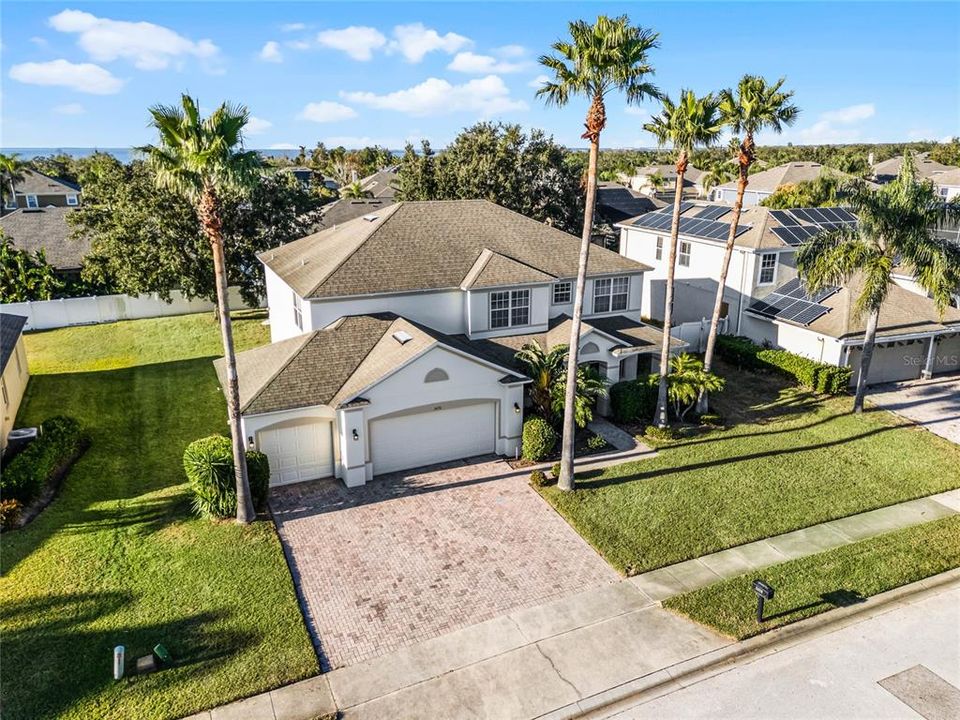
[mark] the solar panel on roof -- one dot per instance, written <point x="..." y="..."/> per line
<point x="791" y="287"/>
<point x="786" y="234"/>
<point x="810" y="313"/>
<point x="712" y="212"/>
<point x="823" y="294"/>
<point x="684" y="206"/>
<point x="784" y="218"/>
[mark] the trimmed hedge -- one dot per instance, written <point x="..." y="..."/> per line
<point x="631" y="400"/>
<point x="208" y="463"/>
<point x="538" y="479"/>
<point x="539" y="438"/>
<point x="61" y="441"/>
<point x="821" y="377"/>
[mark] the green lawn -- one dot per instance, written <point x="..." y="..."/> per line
<point x="812" y="585"/>
<point x="118" y="559"/>
<point x="790" y="460"/>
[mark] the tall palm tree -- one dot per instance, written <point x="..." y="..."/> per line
<point x="717" y="173"/>
<point x="201" y="158"/>
<point x="608" y="55"/>
<point x="11" y="171"/>
<point x="692" y="122"/>
<point x="756" y="105"/>
<point x="897" y="225"/>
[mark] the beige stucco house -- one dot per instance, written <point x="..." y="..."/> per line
<point x="13" y="356"/>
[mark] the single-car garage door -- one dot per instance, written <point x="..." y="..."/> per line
<point x="422" y="438"/>
<point x="298" y="452"/>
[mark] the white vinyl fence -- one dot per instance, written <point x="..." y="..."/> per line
<point x="695" y="333"/>
<point x="46" y="314"/>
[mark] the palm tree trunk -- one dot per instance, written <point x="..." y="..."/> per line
<point x="745" y="159"/>
<point x="866" y="355"/>
<point x="209" y="212"/>
<point x="595" y="122"/>
<point x="662" y="418"/>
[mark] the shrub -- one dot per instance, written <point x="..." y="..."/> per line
<point x="208" y="463"/>
<point x="539" y="438"/>
<point x="817" y="376"/>
<point x="9" y="513"/>
<point x="61" y="441"/>
<point x="555" y="471"/>
<point x="596" y="442"/>
<point x="711" y="420"/>
<point x="633" y="399"/>
<point x="538" y="479"/>
<point x="660" y="434"/>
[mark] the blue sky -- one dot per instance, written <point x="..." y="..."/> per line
<point x="78" y="74"/>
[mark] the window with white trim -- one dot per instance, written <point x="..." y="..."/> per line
<point x="768" y="268"/>
<point x="562" y="293"/>
<point x="684" y="258"/>
<point x="659" y="253"/>
<point x="73" y="200"/>
<point x="32" y="201"/>
<point x="297" y="310"/>
<point x="509" y="308"/>
<point x="610" y="294"/>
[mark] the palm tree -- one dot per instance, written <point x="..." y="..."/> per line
<point x="896" y="225"/>
<point x="690" y="123"/>
<point x="201" y="158"/>
<point x="657" y="182"/>
<point x="544" y="368"/>
<point x="756" y="106"/>
<point x="11" y="172"/>
<point x="354" y="191"/>
<point x="609" y="55"/>
<point x="717" y="173"/>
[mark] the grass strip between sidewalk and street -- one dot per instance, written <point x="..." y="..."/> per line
<point x="817" y="583"/>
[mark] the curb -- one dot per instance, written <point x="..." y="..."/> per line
<point x="695" y="670"/>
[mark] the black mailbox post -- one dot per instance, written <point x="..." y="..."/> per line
<point x="764" y="592"/>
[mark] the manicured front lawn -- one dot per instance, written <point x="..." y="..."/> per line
<point x="789" y="460"/>
<point x="817" y="583"/>
<point x="118" y="558"/>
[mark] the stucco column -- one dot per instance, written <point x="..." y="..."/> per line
<point x="931" y="359"/>
<point x="352" y="436"/>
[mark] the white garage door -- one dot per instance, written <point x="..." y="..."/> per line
<point x="298" y="452"/>
<point x="891" y="363"/>
<point x="948" y="355"/>
<point x="433" y="436"/>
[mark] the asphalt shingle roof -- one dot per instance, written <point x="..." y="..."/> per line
<point x="36" y="183"/>
<point x="788" y="174"/>
<point x="11" y="327"/>
<point x="429" y="245"/>
<point x="47" y="228"/>
<point x="345" y="210"/>
<point x="926" y="168"/>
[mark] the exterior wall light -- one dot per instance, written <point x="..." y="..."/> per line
<point x="356" y="435"/>
<point x="250" y="440"/>
<point x="516" y="408"/>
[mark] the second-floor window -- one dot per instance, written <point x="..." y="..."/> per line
<point x="32" y="201"/>
<point x="659" y="248"/>
<point x="298" y="311"/>
<point x="72" y="200"/>
<point x="562" y="293"/>
<point x="684" y="258"/>
<point x="768" y="268"/>
<point x="509" y="308"/>
<point x="610" y="294"/>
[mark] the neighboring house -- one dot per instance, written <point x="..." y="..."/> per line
<point x="948" y="184"/>
<point x="47" y="229"/>
<point x="616" y="203"/>
<point x="886" y="171"/>
<point x="37" y="190"/>
<point x="766" y="182"/>
<point x="764" y="300"/>
<point x="394" y="335"/>
<point x="381" y="184"/>
<point x="340" y="211"/>
<point x="640" y="180"/>
<point x="305" y="176"/>
<point x="13" y="359"/>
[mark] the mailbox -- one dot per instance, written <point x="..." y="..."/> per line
<point x="764" y="592"/>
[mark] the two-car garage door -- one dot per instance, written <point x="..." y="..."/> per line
<point x="447" y="433"/>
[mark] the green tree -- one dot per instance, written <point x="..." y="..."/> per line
<point x="545" y="369"/>
<point x="609" y="55"/>
<point x="755" y="106"/>
<point x="354" y="191"/>
<point x="688" y="381"/>
<point x="201" y="159"/>
<point x="897" y="225"/>
<point x="823" y="191"/>
<point x="947" y="153"/>
<point x="416" y="179"/>
<point x="716" y="173"/>
<point x="12" y="170"/>
<point x="25" y="277"/>
<point x="692" y="122"/>
<point x="590" y="386"/>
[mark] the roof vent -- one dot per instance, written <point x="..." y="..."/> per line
<point x="370" y="217"/>
<point x="402" y="337"/>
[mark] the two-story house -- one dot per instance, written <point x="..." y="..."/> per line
<point x="765" y="301"/>
<point x="394" y="335"/>
<point x="37" y="190"/>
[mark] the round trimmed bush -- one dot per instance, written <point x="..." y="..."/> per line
<point x="538" y="479"/>
<point x="555" y="471"/>
<point x="208" y="463"/>
<point x="539" y="438"/>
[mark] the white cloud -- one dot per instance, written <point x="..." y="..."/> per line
<point x="848" y="115"/>
<point x="297" y="44"/>
<point x="357" y="41"/>
<point x="70" y="109"/>
<point x="39" y="41"/>
<point x="326" y="111"/>
<point x="256" y="126"/>
<point x="487" y="96"/>
<point x="414" y="41"/>
<point x="636" y="111"/>
<point x="468" y="62"/>
<point x="837" y="126"/>
<point x="270" y="52"/>
<point x="82" y="77"/>
<point x="510" y="51"/>
<point x="282" y="146"/>
<point x="293" y="27"/>
<point x="538" y="81"/>
<point x="146" y="45"/>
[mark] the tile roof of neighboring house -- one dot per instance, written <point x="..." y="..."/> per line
<point x="926" y="168"/>
<point x="381" y="184"/>
<point x="767" y="181"/>
<point x="947" y="178"/>
<point x="616" y="203"/>
<point x="47" y="228"/>
<point x="36" y="183"/>
<point x="331" y="366"/>
<point x="344" y="210"/>
<point x="11" y="326"/>
<point x="429" y="245"/>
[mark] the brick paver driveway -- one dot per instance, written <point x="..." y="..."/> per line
<point x="934" y="404"/>
<point x="411" y="556"/>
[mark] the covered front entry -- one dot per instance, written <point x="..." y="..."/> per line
<point x="301" y="450"/>
<point x="433" y="435"/>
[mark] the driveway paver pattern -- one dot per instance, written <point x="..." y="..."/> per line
<point x="933" y="404"/>
<point x="411" y="556"/>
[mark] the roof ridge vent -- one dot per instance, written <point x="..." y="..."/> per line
<point x="402" y="337"/>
